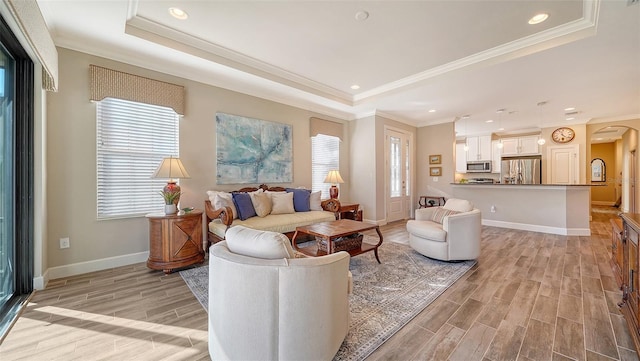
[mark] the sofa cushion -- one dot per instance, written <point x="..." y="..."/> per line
<point x="261" y="203"/>
<point x="315" y="201"/>
<point x="259" y="244"/>
<point x="460" y="205"/>
<point x="439" y="214"/>
<point x="300" y="199"/>
<point x="222" y="199"/>
<point x="244" y="205"/>
<point x="282" y="203"/>
<point x="281" y="223"/>
<point x="427" y="229"/>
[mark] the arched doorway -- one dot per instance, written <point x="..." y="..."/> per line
<point x="616" y="143"/>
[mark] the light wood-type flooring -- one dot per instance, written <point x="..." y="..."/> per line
<point x="532" y="296"/>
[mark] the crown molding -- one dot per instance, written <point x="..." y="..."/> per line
<point x="163" y="35"/>
<point x="390" y="116"/>
<point x="572" y="31"/>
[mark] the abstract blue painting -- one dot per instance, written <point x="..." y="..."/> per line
<point x="253" y="150"/>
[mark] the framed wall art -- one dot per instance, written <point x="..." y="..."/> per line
<point x="435" y="171"/>
<point x="435" y="159"/>
<point x="252" y="151"/>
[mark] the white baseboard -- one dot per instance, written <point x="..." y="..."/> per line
<point x="538" y="228"/>
<point x="89" y="266"/>
<point x="603" y="203"/>
<point x="40" y="282"/>
<point x="377" y="223"/>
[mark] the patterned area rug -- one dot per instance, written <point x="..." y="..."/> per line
<point x="385" y="296"/>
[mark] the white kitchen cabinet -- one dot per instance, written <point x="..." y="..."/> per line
<point x="479" y="148"/>
<point x="496" y="156"/>
<point x="529" y="145"/>
<point x="461" y="158"/>
<point x="520" y="145"/>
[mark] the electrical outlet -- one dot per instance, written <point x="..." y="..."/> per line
<point x="435" y="179"/>
<point x="64" y="243"/>
<point x="493" y="209"/>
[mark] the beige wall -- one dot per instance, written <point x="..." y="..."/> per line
<point x="71" y="154"/>
<point x="362" y="134"/>
<point x="435" y="139"/>
<point x="605" y="195"/>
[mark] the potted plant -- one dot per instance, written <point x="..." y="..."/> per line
<point x="170" y="199"/>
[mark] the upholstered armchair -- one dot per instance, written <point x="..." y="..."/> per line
<point x="448" y="233"/>
<point x="266" y="304"/>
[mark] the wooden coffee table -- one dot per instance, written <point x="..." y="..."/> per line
<point x="330" y="231"/>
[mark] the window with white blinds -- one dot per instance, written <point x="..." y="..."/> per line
<point x="325" y="156"/>
<point x="132" y="139"/>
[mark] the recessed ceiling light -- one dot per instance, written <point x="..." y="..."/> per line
<point x="432" y="110"/>
<point x="538" y="18"/>
<point x="178" y="13"/>
<point x="570" y="109"/>
<point x="490" y="121"/>
<point x="500" y="129"/>
<point x="466" y="116"/>
<point x="362" y="15"/>
<point x="355" y="87"/>
<point x="571" y="118"/>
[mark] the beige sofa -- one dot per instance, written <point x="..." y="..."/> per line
<point x="221" y="219"/>
<point x="448" y="233"/>
<point x="276" y="307"/>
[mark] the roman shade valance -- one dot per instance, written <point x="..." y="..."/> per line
<point x="29" y="18"/>
<point x="111" y="83"/>
<point x="326" y="127"/>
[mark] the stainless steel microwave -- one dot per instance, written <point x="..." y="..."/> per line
<point x="479" y="167"/>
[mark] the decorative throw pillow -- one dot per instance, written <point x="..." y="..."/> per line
<point x="244" y="206"/>
<point x="259" y="244"/>
<point x="261" y="203"/>
<point x="300" y="199"/>
<point x="222" y="199"/>
<point x="315" y="201"/>
<point x="460" y="205"/>
<point x="440" y="213"/>
<point x="282" y="203"/>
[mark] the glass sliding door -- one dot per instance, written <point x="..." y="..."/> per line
<point x="7" y="259"/>
<point x="16" y="176"/>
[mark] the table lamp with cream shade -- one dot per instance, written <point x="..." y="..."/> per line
<point x="334" y="178"/>
<point x="173" y="169"/>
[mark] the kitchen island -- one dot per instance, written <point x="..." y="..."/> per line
<point x="549" y="208"/>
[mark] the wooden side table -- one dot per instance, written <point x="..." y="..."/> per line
<point x="175" y="241"/>
<point x="424" y="201"/>
<point x="350" y="211"/>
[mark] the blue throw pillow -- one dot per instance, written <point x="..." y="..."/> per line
<point x="244" y="206"/>
<point x="300" y="199"/>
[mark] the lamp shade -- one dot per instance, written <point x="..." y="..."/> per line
<point x="333" y="177"/>
<point x="171" y="168"/>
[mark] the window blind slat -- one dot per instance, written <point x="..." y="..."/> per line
<point x="132" y="139"/>
<point x="325" y="156"/>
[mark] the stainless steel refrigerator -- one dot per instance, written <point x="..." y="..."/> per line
<point x="521" y="170"/>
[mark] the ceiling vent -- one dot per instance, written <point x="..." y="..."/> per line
<point x="606" y="131"/>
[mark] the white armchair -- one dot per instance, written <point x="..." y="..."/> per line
<point x="447" y="233"/>
<point x="275" y="309"/>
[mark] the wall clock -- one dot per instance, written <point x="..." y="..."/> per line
<point x="563" y="135"/>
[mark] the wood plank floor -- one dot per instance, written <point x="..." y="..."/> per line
<point x="532" y="296"/>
